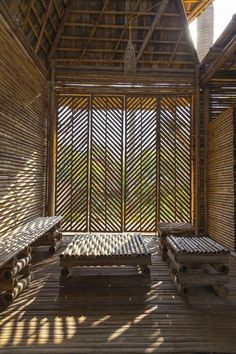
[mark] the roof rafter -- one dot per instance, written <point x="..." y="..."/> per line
<point x="198" y="9"/>
<point x="220" y="60"/>
<point x="124" y="30"/>
<point x="185" y="30"/>
<point x="94" y="28"/>
<point x="60" y="29"/>
<point x="5" y="13"/>
<point x="154" y="24"/>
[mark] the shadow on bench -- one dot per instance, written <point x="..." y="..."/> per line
<point x="15" y="253"/>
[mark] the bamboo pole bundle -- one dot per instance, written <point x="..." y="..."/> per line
<point x="201" y="279"/>
<point x="179" y="287"/>
<point x="9" y="296"/>
<point x="8" y="284"/>
<point x="9" y="273"/>
<point x="179" y="267"/>
<point x="10" y="264"/>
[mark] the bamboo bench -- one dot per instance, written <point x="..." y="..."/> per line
<point x="175" y="228"/>
<point x="15" y="253"/>
<point x="196" y="262"/>
<point x="105" y="250"/>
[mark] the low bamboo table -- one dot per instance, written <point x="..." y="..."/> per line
<point x="195" y="262"/>
<point x="106" y="250"/>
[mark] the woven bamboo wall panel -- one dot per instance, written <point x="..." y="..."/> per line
<point x="112" y="153"/>
<point x="175" y="159"/>
<point x="23" y="131"/>
<point x="106" y="164"/>
<point x="72" y="162"/>
<point x="141" y="164"/>
<point x="222" y="97"/>
<point x="221" y="197"/>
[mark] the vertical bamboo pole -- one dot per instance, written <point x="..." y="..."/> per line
<point x="197" y="156"/>
<point x="52" y="144"/>
<point x="206" y="117"/>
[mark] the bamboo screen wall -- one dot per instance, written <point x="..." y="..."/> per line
<point x="23" y="119"/>
<point x="221" y="178"/>
<point x="123" y="162"/>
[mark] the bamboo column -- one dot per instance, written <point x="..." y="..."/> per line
<point x="197" y="196"/>
<point x="52" y="144"/>
<point x="206" y="122"/>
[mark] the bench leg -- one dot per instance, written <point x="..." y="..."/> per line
<point x="64" y="272"/>
<point x="145" y="270"/>
<point x="221" y="290"/>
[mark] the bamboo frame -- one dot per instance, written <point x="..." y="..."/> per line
<point x="52" y="146"/>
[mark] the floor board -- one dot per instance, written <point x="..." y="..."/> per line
<point x="110" y="311"/>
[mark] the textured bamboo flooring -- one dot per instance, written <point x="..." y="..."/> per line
<point x="124" y="317"/>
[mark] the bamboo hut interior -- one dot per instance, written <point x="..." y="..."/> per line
<point x="109" y="120"/>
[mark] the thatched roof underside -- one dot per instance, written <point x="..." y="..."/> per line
<point x="85" y="34"/>
<point x="220" y="62"/>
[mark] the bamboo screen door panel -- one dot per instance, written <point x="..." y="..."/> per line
<point x="106" y="164"/>
<point x="72" y="162"/>
<point x="123" y="162"/>
<point x="141" y="164"/>
<point x="175" y="159"/>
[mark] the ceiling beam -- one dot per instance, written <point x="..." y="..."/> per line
<point x="43" y="26"/>
<point x="60" y="29"/>
<point x="222" y="57"/>
<point x="154" y="24"/>
<point x="94" y="28"/>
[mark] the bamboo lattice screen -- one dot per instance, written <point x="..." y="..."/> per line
<point x="123" y="162"/>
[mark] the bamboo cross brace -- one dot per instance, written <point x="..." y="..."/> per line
<point x="154" y="24"/>
<point x="43" y="26"/>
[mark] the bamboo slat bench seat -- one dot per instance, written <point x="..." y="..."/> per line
<point x="178" y="229"/>
<point x="15" y="252"/>
<point x="197" y="262"/>
<point x="106" y="250"/>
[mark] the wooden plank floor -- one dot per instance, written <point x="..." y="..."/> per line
<point x="96" y="318"/>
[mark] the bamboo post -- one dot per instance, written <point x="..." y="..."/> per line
<point x="206" y="122"/>
<point x="52" y="144"/>
<point x="197" y="203"/>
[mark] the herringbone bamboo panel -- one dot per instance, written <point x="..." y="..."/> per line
<point x="175" y="159"/>
<point x="106" y="164"/>
<point x="141" y="164"/>
<point x="72" y="162"/>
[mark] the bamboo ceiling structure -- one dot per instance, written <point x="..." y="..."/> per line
<point x="82" y="34"/>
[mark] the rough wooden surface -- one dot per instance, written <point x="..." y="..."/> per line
<point x="101" y="319"/>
